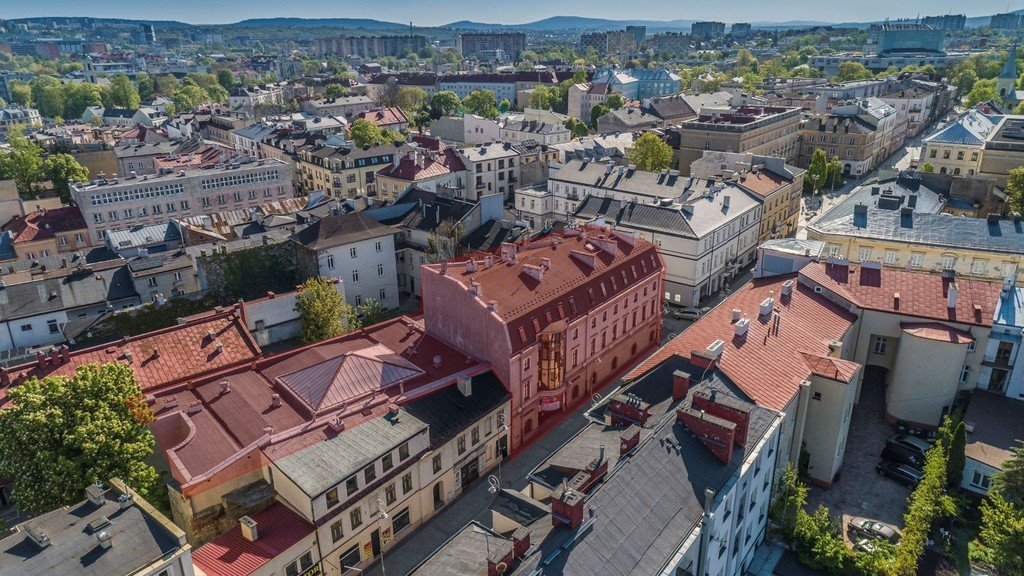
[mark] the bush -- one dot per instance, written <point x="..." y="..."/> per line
<point x="818" y="541"/>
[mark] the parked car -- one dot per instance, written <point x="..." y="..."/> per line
<point x="688" y="313"/>
<point x="873" y="529"/>
<point x="909" y="442"/>
<point x="903" y="455"/>
<point x="922" y="433"/>
<point x="902" y="473"/>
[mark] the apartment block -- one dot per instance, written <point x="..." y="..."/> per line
<point x="472" y="44"/>
<point x="760" y="130"/>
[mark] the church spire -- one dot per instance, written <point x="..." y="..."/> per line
<point x="1010" y="67"/>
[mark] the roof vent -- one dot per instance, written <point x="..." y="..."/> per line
<point x="225" y="386"/>
<point x="125" y="501"/>
<point x="337" y="424"/>
<point x="736" y="314"/>
<point x="715" y="349"/>
<point x="787" y="288"/>
<point x="37" y="535"/>
<point x="437" y="361"/>
<point x="104" y="540"/>
<point x="275" y="400"/>
<point x="951" y="295"/>
<point x="98" y="524"/>
<point x="248" y="526"/>
<point x="95" y="494"/>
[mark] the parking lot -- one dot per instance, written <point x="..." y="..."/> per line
<point x="859" y="490"/>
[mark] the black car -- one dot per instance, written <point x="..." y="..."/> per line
<point x="902" y="455"/>
<point x="901" y="473"/>
<point x="909" y="442"/>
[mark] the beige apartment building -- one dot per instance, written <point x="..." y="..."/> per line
<point x="957" y="149"/>
<point x="1004" y="149"/>
<point x="116" y="203"/>
<point x="861" y="135"/>
<point x="342" y="171"/>
<point x="760" y="130"/>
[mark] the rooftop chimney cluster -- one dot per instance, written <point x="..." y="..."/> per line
<point x="717" y="420"/>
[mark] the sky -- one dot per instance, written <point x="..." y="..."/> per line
<point x="436" y="12"/>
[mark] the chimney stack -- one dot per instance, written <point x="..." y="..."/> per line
<point x="680" y="385"/>
<point x="275" y="400"/>
<point x="952" y="293"/>
<point x="249" y="531"/>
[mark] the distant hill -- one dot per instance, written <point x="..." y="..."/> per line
<point x="366" y="23"/>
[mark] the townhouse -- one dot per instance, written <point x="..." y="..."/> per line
<point x="251" y="98"/>
<point x="493" y="168"/>
<point x="17" y="116"/>
<point x="425" y="163"/>
<point x="343" y="171"/>
<point x="45" y="232"/>
<point x="861" y="135"/>
<point x="542" y="132"/>
<point x="761" y="130"/>
<point x="343" y="106"/>
<point x="957" y="148"/>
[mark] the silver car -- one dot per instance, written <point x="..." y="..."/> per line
<point x="871" y="529"/>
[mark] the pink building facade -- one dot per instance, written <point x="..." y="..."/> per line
<point x="557" y="319"/>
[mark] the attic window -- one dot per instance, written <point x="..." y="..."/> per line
<point x="561" y="311"/>
<point x="522" y="334"/>
<point x="572" y="305"/>
<point x="590" y="292"/>
<point x="604" y="290"/>
<point x="817" y="289"/>
<point x="615" y="285"/>
<point x="536" y="325"/>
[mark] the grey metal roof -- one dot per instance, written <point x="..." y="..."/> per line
<point x="85" y="288"/>
<point x="142" y="236"/>
<point x="449" y="412"/>
<point x="971" y="129"/>
<point x="341" y="229"/>
<point x="324" y="464"/>
<point x="137" y="540"/>
<point x="889" y="194"/>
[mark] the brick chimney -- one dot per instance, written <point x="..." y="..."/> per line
<point x="717" y="434"/>
<point x="627" y="409"/>
<point x="520" y="541"/>
<point x="55" y="356"/>
<point x="40" y="359"/>
<point x="567" y="507"/>
<point x="727" y="408"/>
<point x="627" y="443"/>
<point x="680" y="385"/>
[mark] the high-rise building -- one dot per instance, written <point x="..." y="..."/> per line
<point x="707" y="29"/>
<point x="741" y="30"/>
<point x="903" y="37"/>
<point x="147" y="34"/>
<point x="1008" y="21"/>
<point x="947" y="22"/>
<point x="474" y="43"/>
<point x="368" y="46"/>
<point x="639" y="33"/>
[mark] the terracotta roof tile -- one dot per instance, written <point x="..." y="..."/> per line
<point x="230" y="554"/>
<point x="383" y="117"/>
<point x="921" y="294"/>
<point x="767" y="366"/>
<point x="937" y="331"/>
<point x="443" y="162"/>
<point x="44" y="224"/>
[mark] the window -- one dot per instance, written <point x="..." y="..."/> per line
<point x="330" y="261"/>
<point x="352" y="252"/>
<point x="351" y="486"/>
<point x="379" y="247"/>
<point x="526" y="390"/>
<point x="332" y="497"/>
<point x="380" y="269"/>
<point x="865" y="254"/>
<point x="965" y="374"/>
<point x="973" y="345"/>
<point x="300" y="564"/>
<point x="891" y="256"/>
<point x="152" y="282"/>
<point x="355" y="275"/>
<point x="355" y="517"/>
<point x="52" y="325"/>
<point x="916" y="259"/>
<point x="461" y="445"/>
<point x="833" y="250"/>
<point x="350" y="558"/>
<point x="63" y="240"/>
<point x="401" y="521"/>
<point x="407" y="483"/>
<point x="383" y="295"/>
<point x="437" y="463"/>
<point x="369" y="473"/>
<point x="475" y="435"/>
<point x="879" y="344"/>
<point x="387" y="462"/>
<point x="526" y="365"/>
<point x="359" y="299"/>
<point x="978" y="266"/>
<point x="336" y="531"/>
<point x="981" y="480"/>
<point x="389" y="495"/>
<point x="817" y="396"/>
<point x="948" y="261"/>
<point x="177" y="276"/>
<point x="403" y="451"/>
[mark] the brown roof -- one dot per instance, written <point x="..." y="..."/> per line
<point x="937" y="331"/>
<point x="439" y="164"/>
<point x="341" y="229"/>
<point x="921" y="294"/>
<point x="768" y="365"/>
<point x="164" y="357"/>
<point x="763" y="183"/>
<point x="383" y="117"/>
<point x="43" y="224"/>
<point x="231" y="554"/>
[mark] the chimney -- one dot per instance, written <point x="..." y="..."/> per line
<point x="475" y="288"/>
<point x="567" y="507"/>
<point x="741" y="326"/>
<point x="766" y="305"/>
<point x="437" y="361"/>
<point x="275" y="400"/>
<point x="54" y="356"/>
<point x="680" y="385"/>
<point x="40" y="359"/>
<point x="627" y="444"/>
<point x="225" y="386"/>
<point x="951" y="295"/>
<point x="535" y="272"/>
<point x="520" y="541"/>
<point x="248" y="526"/>
<point x="627" y="409"/>
<point x="65" y="354"/>
<point x="337" y="424"/>
<point x="95" y="495"/>
<point x="787" y="288"/>
<point x="727" y="408"/>
<point x="128" y="355"/>
<point x="717" y="434"/>
<point x="125" y="501"/>
<point x="736" y="314"/>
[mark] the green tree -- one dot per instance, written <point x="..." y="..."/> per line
<point x="388" y="135"/>
<point x="578" y="127"/>
<point x="166" y="85"/>
<point x="188" y="97"/>
<point x="1001" y="538"/>
<point x="818" y="172"/>
<point x="1015" y="189"/>
<point x="650" y="153"/>
<point x="543" y="97"/>
<point x="63" y="434"/>
<point x="614" y="101"/>
<point x="444" y="103"/>
<point x="335" y="90"/>
<point x="323" y="313"/>
<point x="928" y="168"/>
<point x="79" y="97"/>
<point x="410" y="99"/>
<point x="59" y="169"/>
<point x="504" y="105"/>
<point x="818" y="541"/>
<point x="122" y="93"/>
<point x="47" y="95"/>
<point x="481" y="103"/>
<point x="596" y="112"/>
<point x="982" y="91"/>
<point x="226" y="78"/>
<point x="146" y="86"/>
<point x="790" y="499"/>
<point x="852" y="71"/>
<point x="21" y="162"/>
<point x="445" y="242"/>
<point x="370" y="312"/>
<point x="927" y="503"/>
<point x="21" y="93"/>
<point x="365" y="133"/>
<point x="956" y="458"/>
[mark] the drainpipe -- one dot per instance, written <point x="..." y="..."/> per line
<point x="803" y="398"/>
<point x="705" y="532"/>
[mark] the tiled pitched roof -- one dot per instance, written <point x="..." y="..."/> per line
<point x="163" y="357"/>
<point x="383" y="117"/>
<point x="937" y="331"/>
<point x="768" y="366"/>
<point x="921" y="294"/>
<point x="44" y="224"/>
<point x="340" y="229"/>
<point x="444" y="162"/>
<point x="231" y="554"/>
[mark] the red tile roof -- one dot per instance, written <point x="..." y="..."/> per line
<point x="569" y="286"/>
<point x="164" y="357"/>
<point x="434" y="165"/>
<point x="767" y="365"/>
<point x="921" y="294"/>
<point x="763" y="183"/>
<point x="230" y="554"/>
<point x="937" y="331"/>
<point x="383" y="117"/>
<point x="44" y="224"/>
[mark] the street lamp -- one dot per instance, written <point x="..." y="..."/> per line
<point x="381" y="515"/>
<point x="502" y="427"/>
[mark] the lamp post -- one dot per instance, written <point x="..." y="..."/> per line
<point x="502" y="427"/>
<point x="381" y="515"/>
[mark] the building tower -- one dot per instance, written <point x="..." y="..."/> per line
<point x="1006" y="84"/>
